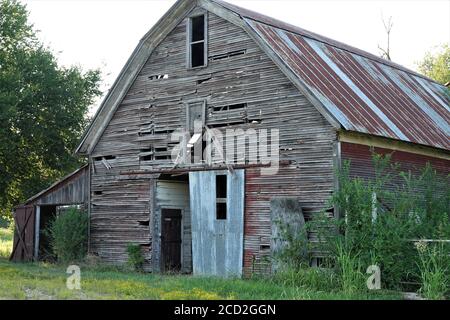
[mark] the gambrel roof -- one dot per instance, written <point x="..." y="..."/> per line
<point x="354" y="90"/>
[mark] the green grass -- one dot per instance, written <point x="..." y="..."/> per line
<point x="48" y="281"/>
<point x="6" y="242"/>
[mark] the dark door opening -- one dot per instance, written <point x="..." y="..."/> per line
<point x="171" y="240"/>
<point x="45" y="253"/>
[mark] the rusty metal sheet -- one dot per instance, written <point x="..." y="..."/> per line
<point x="363" y="92"/>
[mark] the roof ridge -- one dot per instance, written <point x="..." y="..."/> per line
<point x="276" y="23"/>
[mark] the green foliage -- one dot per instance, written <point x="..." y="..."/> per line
<point x="349" y="269"/>
<point x="380" y="218"/>
<point x="43" y="110"/>
<point x="294" y="253"/>
<point x="434" y="270"/>
<point x="135" y="257"/>
<point x="318" y="279"/>
<point x="68" y="234"/>
<point x="437" y="65"/>
<point x="6" y="242"/>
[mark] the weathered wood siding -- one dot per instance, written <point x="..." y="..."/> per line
<point x="361" y="163"/>
<point x="120" y="213"/>
<point x="153" y="108"/>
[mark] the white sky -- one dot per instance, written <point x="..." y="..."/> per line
<point x="103" y="33"/>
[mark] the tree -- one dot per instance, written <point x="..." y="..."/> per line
<point x="386" y="53"/>
<point x="43" y="109"/>
<point x="437" y="65"/>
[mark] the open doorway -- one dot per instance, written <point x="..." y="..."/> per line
<point x="46" y="216"/>
<point x="171" y="240"/>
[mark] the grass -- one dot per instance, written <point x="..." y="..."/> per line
<point x="6" y="242"/>
<point x="48" y="281"/>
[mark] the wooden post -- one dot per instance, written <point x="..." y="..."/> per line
<point x="36" y="233"/>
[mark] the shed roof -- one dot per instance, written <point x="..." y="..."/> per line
<point x="71" y="192"/>
<point x="352" y="88"/>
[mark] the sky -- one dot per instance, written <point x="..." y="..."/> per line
<point x="103" y="33"/>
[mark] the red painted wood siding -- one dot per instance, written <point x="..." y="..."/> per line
<point x="362" y="165"/>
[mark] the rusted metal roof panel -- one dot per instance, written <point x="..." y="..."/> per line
<point x="363" y="94"/>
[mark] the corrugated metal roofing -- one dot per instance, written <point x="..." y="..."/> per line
<point x="363" y="92"/>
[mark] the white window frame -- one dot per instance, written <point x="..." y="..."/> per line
<point x="204" y="41"/>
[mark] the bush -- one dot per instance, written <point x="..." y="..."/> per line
<point x="135" y="257"/>
<point x="434" y="267"/>
<point x="380" y="217"/>
<point x="68" y="235"/>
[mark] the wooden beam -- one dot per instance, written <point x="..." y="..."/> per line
<point x="37" y="228"/>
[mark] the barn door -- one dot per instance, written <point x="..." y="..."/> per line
<point x="23" y="247"/>
<point x="217" y="209"/>
<point x="171" y="239"/>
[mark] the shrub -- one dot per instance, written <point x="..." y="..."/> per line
<point x="434" y="267"/>
<point x="380" y="217"/>
<point x="349" y="269"/>
<point x="68" y="235"/>
<point x="135" y="257"/>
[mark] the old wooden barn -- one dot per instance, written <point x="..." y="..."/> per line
<point x="291" y="104"/>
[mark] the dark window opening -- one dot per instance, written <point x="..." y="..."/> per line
<point x="146" y="158"/>
<point x="162" y="157"/>
<point x="264" y="247"/>
<point x="221" y="211"/>
<point x="144" y="223"/>
<point x="221" y="125"/>
<point x="221" y="197"/>
<point x="147" y="154"/>
<point x="197" y="55"/>
<point x="230" y="107"/>
<point x="221" y="186"/>
<point x="198" y="28"/>
<point x="197" y="41"/>
<point x="227" y="55"/>
<point x="98" y="193"/>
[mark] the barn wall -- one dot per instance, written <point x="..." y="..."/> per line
<point x="361" y="160"/>
<point x="153" y="108"/>
<point x="361" y="164"/>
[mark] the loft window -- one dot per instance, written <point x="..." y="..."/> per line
<point x="221" y="197"/>
<point x="197" y="39"/>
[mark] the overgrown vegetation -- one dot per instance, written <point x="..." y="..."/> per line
<point x="68" y="234"/>
<point x="135" y="257"/>
<point x="48" y="281"/>
<point x="434" y="268"/>
<point x="380" y="222"/>
<point x="6" y="242"/>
